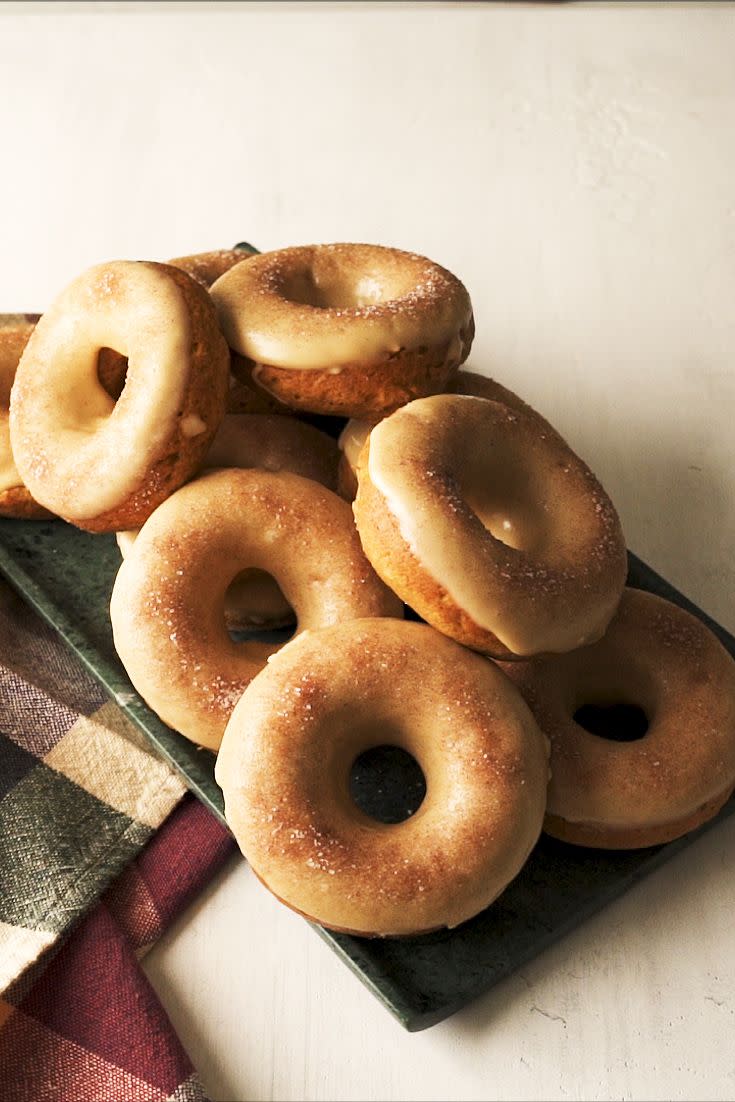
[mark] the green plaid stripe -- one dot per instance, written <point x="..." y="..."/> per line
<point x="80" y="790"/>
<point x="79" y="835"/>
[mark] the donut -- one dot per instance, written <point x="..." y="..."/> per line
<point x="15" y="500"/>
<point x="254" y="599"/>
<point x="493" y="530"/>
<point x="355" y="433"/>
<point x="104" y="465"/>
<point x="207" y="267"/>
<point x="351" y="330"/>
<point x="642" y="727"/>
<point x="167" y="606"/>
<point x="328" y="696"/>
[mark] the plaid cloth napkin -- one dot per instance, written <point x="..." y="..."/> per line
<point x="81" y="794"/>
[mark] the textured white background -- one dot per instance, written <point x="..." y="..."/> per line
<point x="574" y="164"/>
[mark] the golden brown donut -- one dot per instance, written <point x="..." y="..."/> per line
<point x="104" y="465"/>
<point x="167" y="606"/>
<point x="254" y="599"/>
<point x="493" y="530"/>
<point x="15" y="500"/>
<point x="328" y="696"/>
<point x="616" y="794"/>
<point x="355" y="433"/>
<point x="352" y="330"/>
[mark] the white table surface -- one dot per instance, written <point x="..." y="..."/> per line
<point x="575" y="166"/>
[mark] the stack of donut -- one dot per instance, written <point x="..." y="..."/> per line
<point x="170" y="404"/>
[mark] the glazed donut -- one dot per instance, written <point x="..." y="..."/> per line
<point x="352" y="330"/>
<point x="663" y="666"/>
<point x="328" y="696"/>
<point x="495" y="532"/>
<point x="206" y="268"/>
<point x="254" y="599"/>
<point x="355" y="433"/>
<point x="106" y="466"/>
<point x="15" y="500"/>
<point x="167" y="606"/>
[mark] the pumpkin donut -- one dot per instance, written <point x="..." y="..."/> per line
<point x="167" y="606"/>
<point x="351" y="330"/>
<point x="254" y="599"/>
<point x="104" y="465"/>
<point x="15" y="500"/>
<point x="494" y="531"/>
<point x="642" y="727"/>
<point x="330" y="695"/>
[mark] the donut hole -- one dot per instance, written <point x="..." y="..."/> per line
<point x="387" y="783"/>
<point x="254" y="602"/>
<point x="112" y="370"/>
<point x="334" y="291"/>
<point x="510" y="526"/>
<point x="512" y="521"/>
<point x="502" y="499"/>
<point x="617" y="721"/>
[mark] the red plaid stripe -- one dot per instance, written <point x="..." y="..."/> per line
<point x="164" y="879"/>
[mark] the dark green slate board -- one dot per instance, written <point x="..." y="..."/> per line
<point x="67" y="575"/>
